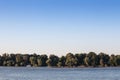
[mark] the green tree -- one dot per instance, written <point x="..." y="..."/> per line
<point x="61" y="62"/>
<point x="19" y="59"/>
<point x="87" y="61"/>
<point x="113" y="60"/>
<point x="80" y="58"/>
<point x="103" y="59"/>
<point x="33" y="61"/>
<point x="71" y="60"/>
<point x="25" y="60"/>
<point x="43" y="58"/>
<point x="91" y="59"/>
<point x="1" y="61"/>
<point x="118" y="60"/>
<point x="53" y="60"/>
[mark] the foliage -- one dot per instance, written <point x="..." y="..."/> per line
<point x="70" y="60"/>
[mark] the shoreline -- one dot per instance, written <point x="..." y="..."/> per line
<point x="81" y="67"/>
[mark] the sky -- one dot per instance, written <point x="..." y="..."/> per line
<point x="59" y="26"/>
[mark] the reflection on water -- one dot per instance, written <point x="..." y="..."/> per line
<point x="29" y="73"/>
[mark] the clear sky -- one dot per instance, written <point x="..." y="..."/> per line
<point x="59" y="26"/>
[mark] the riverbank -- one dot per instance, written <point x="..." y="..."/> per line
<point x="82" y="60"/>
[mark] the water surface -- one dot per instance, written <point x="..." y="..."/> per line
<point x="33" y="73"/>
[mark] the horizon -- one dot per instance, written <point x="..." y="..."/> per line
<point x="59" y="27"/>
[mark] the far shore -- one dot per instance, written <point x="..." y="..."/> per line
<point x="59" y="67"/>
<point x="82" y="60"/>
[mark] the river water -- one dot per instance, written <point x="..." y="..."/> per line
<point x="37" y="73"/>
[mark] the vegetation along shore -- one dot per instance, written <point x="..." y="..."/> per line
<point x="90" y="59"/>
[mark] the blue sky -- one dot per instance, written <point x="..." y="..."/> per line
<point x="59" y="26"/>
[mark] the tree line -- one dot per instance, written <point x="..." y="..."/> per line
<point x="90" y="59"/>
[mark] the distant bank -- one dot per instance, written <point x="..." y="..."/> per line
<point x="90" y="59"/>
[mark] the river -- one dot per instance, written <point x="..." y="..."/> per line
<point x="38" y="73"/>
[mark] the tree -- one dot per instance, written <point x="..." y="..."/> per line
<point x="39" y="61"/>
<point x="44" y="58"/>
<point x="33" y="61"/>
<point x="26" y="60"/>
<point x="118" y="60"/>
<point x="53" y="60"/>
<point x="113" y="60"/>
<point x="1" y="61"/>
<point x="49" y="62"/>
<point x="87" y="61"/>
<point x="19" y="59"/>
<point x="61" y="62"/>
<point x="71" y="60"/>
<point x="91" y="59"/>
<point x="80" y="58"/>
<point x="103" y="59"/>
